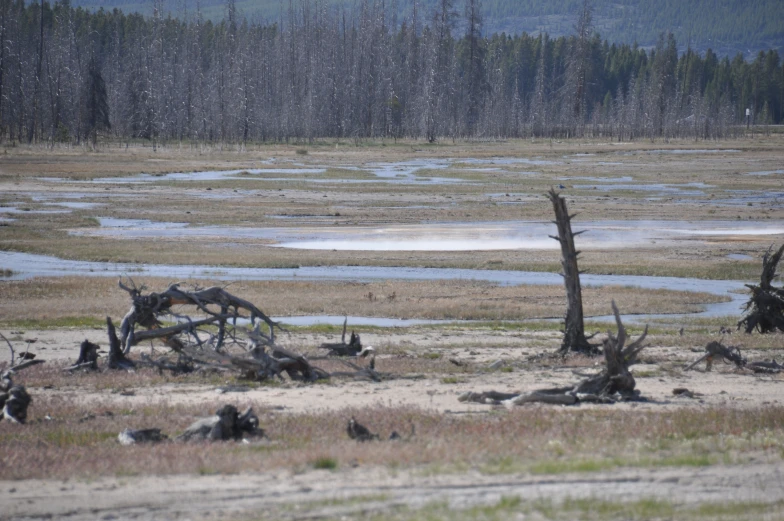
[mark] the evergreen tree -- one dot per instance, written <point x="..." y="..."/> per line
<point x="96" y="104"/>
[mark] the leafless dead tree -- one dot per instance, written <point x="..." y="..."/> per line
<point x="574" y="330"/>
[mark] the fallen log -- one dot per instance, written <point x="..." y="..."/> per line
<point x="487" y="397"/>
<point x="226" y="424"/>
<point x="769" y="367"/>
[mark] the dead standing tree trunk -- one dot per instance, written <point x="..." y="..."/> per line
<point x="574" y="331"/>
<point x="765" y="309"/>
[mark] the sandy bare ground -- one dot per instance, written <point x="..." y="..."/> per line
<point x="363" y="491"/>
<point x="425" y="383"/>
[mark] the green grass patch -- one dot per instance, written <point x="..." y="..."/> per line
<point x="55" y="323"/>
<point x="325" y="463"/>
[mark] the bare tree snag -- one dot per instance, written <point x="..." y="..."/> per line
<point x="574" y="330"/>
<point x="765" y="309"/>
<point x="614" y="383"/>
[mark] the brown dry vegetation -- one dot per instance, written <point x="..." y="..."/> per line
<point x="66" y="439"/>
<point x="47" y="299"/>
<point x="736" y="421"/>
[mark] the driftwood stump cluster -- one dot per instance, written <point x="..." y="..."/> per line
<point x="215" y="341"/>
<point x="226" y="425"/>
<point x="765" y="309"/>
<point x="574" y="330"/>
<point x="614" y="383"/>
<point x="351" y="348"/>
<point x="222" y="309"/>
<point x="14" y="398"/>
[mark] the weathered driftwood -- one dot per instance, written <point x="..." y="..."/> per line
<point x="615" y="378"/>
<point x="487" y="397"/>
<point x="135" y="436"/>
<point x="765" y="309"/>
<point x="614" y="383"/>
<point x="731" y="354"/>
<point x="227" y="424"/>
<point x="88" y="357"/>
<point x="767" y="367"/>
<point x="718" y="351"/>
<point x="352" y="348"/>
<point x="183" y="365"/>
<point x="117" y="358"/>
<point x="221" y="307"/>
<point x="14" y="398"/>
<point x="574" y="330"/>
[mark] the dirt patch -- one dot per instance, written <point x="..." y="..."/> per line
<point x="357" y="493"/>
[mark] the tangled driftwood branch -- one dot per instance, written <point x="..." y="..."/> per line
<point x="732" y="355"/>
<point x="765" y="309"/>
<point x="614" y="383"/>
<point x="223" y="310"/>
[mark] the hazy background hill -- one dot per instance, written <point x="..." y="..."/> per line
<point x="726" y="26"/>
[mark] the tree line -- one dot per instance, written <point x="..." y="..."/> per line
<point x="68" y="75"/>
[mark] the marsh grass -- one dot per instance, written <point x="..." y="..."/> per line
<point x="51" y="299"/>
<point x="67" y="438"/>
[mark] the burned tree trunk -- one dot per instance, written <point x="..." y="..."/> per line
<point x="765" y="308"/>
<point x="574" y="331"/>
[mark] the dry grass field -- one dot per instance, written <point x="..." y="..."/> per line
<point x="699" y="210"/>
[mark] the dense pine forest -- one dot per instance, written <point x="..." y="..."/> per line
<point x="69" y="75"/>
<point x="726" y="26"/>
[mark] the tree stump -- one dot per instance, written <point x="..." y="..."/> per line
<point x="765" y="309"/>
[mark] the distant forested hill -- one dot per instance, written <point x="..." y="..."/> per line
<point x="726" y="26"/>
